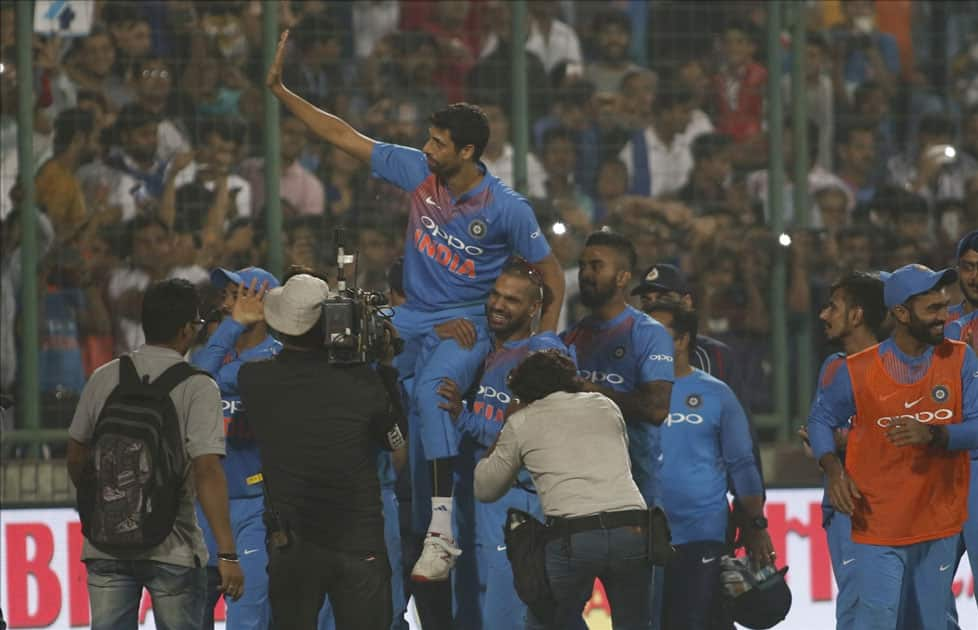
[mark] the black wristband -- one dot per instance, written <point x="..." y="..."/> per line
<point x="936" y="436"/>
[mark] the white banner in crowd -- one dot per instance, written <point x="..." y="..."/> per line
<point x="43" y="582"/>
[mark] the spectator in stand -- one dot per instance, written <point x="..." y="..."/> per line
<point x="219" y="143"/>
<point x="130" y="31"/>
<point x="969" y="132"/>
<point x="818" y="178"/>
<point x="934" y="169"/>
<point x="611" y="189"/>
<point x="456" y="29"/>
<point x="301" y="188"/>
<point x="861" y="52"/>
<point x="419" y="66"/>
<point x="133" y="172"/>
<point x="612" y="34"/>
<point x="58" y="189"/>
<point x="856" y="248"/>
<point x="303" y="238"/>
<point x="712" y="174"/>
<point x="153" y="80"/>
<point x="552" y="40"/>
<point x="89" y="65"/>
<point x="318" y="72"/>
<point x="904" y="214"/>
<point x="495" y="61"/>
<point x="148" y="261"/>
<point x="559" y="162"/>
<point x="692" y="75"/>
<point x="855" y="147"/>
<point x="738" y="89"/>
<point x="658" y="158"/>
<point x="375" y="253"/>
<point x="498" y="155"/>
<point x="870" y="104"/>
<point x="637" y="97"/>
<point x="373" y="21"/>
<point x="574" y="109"/>
<point x="344" y="185"/>
<point x="818" y="94"/>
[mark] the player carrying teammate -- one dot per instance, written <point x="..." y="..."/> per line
<point x="513" y="304"/>
<point x="913" y="400"/>
<point x="463" y="226"/>
<point x="853" y="318"/>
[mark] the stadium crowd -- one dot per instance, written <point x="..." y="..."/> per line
<point x="646" y="120"/>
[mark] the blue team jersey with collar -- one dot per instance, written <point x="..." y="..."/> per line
<point x="622" y="354"/>
<point x="705" y="438"/>
<point x="964" y="328"/>
<point x="455" y="248"/>
<point x="242" y="462"/>
<point x="836" y="404"/>
<point x="955" y="312"/>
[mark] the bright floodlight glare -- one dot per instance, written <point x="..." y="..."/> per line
<point x="949" y="152"/>
<point x="558" y="228"/>
<point x="785" y="240"/>
<point x="2" y="68"/>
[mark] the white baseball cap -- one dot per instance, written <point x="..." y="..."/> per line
<point x="294" y="308"/>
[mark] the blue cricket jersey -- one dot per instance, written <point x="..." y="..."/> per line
<point x="836" y="402"/>
<point x="705" y="438"/>
<point x="455" y="248"/>
<point x="242" y="463"/>
<point x="825" y="376"/>
<point x="964" y="328"/>
<point x="956" y="311"/>
<point x="622" y="354"/>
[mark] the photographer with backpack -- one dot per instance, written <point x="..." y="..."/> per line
<point x="145" y="422"/>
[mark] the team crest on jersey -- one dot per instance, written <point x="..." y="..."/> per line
<point x="619" y="352"/>
<point x="693" y="401"/>
<point x="477" y="229"/>
<point x="939" y="393"/>
<point x="653" y="275"/>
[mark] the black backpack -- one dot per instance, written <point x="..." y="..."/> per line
<point x="134" y="479"/>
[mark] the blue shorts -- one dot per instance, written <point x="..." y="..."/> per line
<point x="438" y="359"/>
<point x="252" y="610"/>
<point x="969" y="535"/>
<point x="502" y="607"/>
<point x="842" y="550"/>
<point x="904" y="587"/>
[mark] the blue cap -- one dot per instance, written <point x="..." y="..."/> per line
<point x="970" y="241"/>
<point x="911" y="280"/>
<point x="220" y="277"/>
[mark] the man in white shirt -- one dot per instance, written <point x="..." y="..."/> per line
<point x="550" y="39"/>
<point x="219" y="142"/>
<point x="498" y="155"/>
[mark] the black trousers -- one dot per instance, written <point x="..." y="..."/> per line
<point x="692" y="598"/>
<point x="302" y="574"/>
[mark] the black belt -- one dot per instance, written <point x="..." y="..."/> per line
<point x="604" y="520"/>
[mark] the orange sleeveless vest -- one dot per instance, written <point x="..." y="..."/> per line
<point x="911" y="493"/>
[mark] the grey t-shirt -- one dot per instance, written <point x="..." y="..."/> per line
<point x="576" y="449"/>
<point x="198" y="404"/>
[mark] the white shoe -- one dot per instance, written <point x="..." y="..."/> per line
<point x="437" y="559"/>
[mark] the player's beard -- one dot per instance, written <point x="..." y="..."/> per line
<point x="924" y="332"/>
<point x="594" y="296"/>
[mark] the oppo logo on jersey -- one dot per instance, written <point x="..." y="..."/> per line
<point x="231" y="407"/>
<point x="601" y="377"/>
<point x="444" y="253"/>
<point x="921" y="416"/>
<point x="678" y="418"/>
<point x="492" y="392"/>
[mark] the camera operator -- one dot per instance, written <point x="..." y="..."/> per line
<point x="318" y="425"/>
<point x="575" y="446"/>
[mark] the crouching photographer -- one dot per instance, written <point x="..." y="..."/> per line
<point x="318" y="422"/>
<point x="575" y="446"/>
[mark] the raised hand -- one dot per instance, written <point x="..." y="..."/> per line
<point x="248" y="308"/>
<point x="274" y="78"/>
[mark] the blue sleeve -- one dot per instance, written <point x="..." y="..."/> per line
<point x="737" y="448"/>
<point x="831" y="410"/>
<point x="481" y="429"/>
<point x="653" y="347"/>
<point x="211" y="357"/>
<point x="890" y="52"/>
<point x="523" y="233"/>
<point x="965" y="435"/>
<point x="953" y="330"/>
<point x="547" y="341"/>
<point x="404" y="167"/>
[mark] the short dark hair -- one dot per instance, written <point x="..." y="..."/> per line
<point x="69" y="124"/>
<point x="227" y="128"/>
<point x="122" y="12"/>
<point x="313" y="29"/>
<point x="613" y="240"/>
<point x="818" y="40"/>
<point x="609" y="17"/>
<point x="685" y="319"/>
<point x="708" y="145"/>
<point x="672" y="95"/>
<point x="168" y="306"/>
<point x="519" y="267"/>
<point x="752" y="32"/>
<point x="577" y="93"/>
<point x="845" y="131"/>
<point x="864" y="290"/>
<point x="898" y="201"/>
<point x="133" y="116"/>
<point x="139" y="63"/>
<point x="543" y="373"/>
<point x="557" y="133"/>
<point x="936" y="124"/>
<point x="466" y="124"/>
